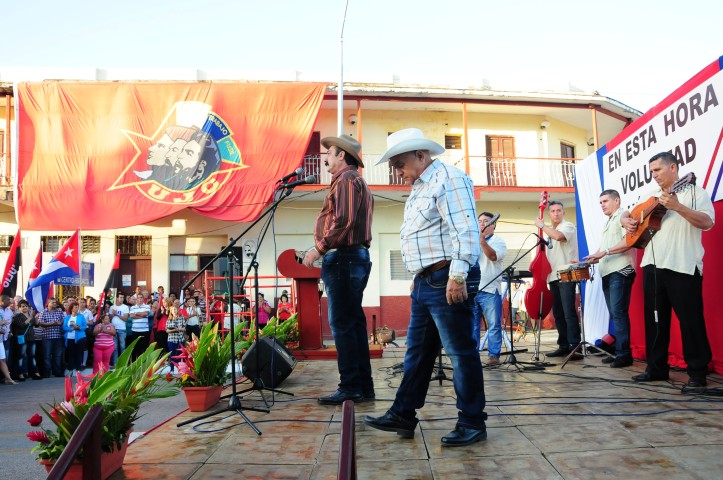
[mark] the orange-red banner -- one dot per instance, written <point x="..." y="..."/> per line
<point x="107" y="155"/>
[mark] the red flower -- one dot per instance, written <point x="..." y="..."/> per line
<point x="38" y="436"/>
<point x="35" y="420"/>
<point x="169" y="378"/>
<point x="68" y="389"/>
<point x="54" y="414"/>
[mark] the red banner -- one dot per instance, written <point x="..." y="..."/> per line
<point x="125" y="154"/>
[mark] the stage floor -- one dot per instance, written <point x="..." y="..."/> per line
<point x="585" y="421"/>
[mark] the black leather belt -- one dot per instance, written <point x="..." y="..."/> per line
<point x="434" y="267"/>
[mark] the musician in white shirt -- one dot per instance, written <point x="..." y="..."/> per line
<point x="673" y="276"/>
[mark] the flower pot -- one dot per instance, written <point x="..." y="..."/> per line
<point x="200" y="399"/>
<point x="110" y="462"/>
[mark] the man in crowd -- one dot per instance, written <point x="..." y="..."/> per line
<point x="489" y="299"/>
<point x="673" y="275"/>
<point x="563" y="235"/>
<point x="440" y="245"/>
<point x="342" y="235"/>
<point x="618" y="274"/>
<point x="138" y="313"/>
<point x="120" y="312"/>
<point x="51" y="320"/>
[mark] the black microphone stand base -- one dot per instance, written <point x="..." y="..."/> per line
<point x="258" y="385"/>
<point x="439" y="375"/>
<point x="234" y="405"/>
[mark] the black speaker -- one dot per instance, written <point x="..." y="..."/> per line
<point x="275" y="362"/>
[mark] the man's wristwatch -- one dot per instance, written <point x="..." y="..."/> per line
<point x="458" y="279"/>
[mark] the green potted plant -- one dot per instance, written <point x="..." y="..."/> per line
<point x="202" y="365"/>
<point x="121" y="392"/>
<point x="285" y="332"/>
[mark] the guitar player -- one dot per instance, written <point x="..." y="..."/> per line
<point x="673" y="276"/>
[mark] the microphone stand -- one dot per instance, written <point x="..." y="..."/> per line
<point x="510" y="272"/>
<point x="234" y="404"/>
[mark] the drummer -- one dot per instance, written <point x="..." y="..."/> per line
<point x="563" y="235"/>
<point x="618" y="274"/>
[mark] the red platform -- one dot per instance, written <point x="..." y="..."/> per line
<point x="329" y="353"/>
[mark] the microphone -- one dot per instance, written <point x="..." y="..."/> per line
<point x="299" y="171"/>
<point x="494" y="219"/>
<point x="301" y="181"/>
<point x="547" y="242"/>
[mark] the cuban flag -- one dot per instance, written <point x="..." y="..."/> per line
<point x="65" y="263"/>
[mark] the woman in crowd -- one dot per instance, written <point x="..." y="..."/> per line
<point x="193" y="317"/>
<point x="104" y="333"/>
<point x="74" y="327"/>
<point x="284" y="310"/>
<point x="161" y="330"/>
<point x="23" y="335"/>
<point x="175" y="329"/>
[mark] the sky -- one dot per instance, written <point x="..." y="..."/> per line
<point x="634" y="51"/>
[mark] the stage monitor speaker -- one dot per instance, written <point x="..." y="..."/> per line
<point x="275" y="362"/>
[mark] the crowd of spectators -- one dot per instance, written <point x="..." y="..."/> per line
<point x="78" y="334"/>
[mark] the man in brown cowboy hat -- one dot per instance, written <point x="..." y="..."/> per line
<point x="342" y="235"/>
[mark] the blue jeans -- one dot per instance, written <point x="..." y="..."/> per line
<point x="433" y="324"/>
<point x="489" y="304"/>
<point x="120" y="345"/>
<point x="616" y="288"/>
<point x="563" y="309"/>
<point x="53" y="348"/>
<point x="345" y="272"/>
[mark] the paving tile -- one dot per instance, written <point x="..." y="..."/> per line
<point x="498" y="467"/>
<point x="252" y="472"/>
<point x="508" y="441"/>
<point x="699" y="430"/>
<point x="638" y="463"/>
<point x="580" y="437"/>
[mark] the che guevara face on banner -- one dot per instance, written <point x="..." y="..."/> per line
<point x="191" y="159"/>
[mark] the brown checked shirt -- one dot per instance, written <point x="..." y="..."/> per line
<point x="345" y="219"/>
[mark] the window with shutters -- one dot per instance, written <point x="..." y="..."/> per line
<point x="453" y="142"/>
<point x="52" y="243"/>
<point x="6" y="242"/>
<point x="136" y="246"/>
<point x="396" y="266"/>
<point x="568" y="166"/>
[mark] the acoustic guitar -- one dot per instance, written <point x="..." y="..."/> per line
<point x="650" y="213"/>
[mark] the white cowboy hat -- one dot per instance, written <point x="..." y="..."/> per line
<point x="409" y="140"/>
<point x="346" y="143"/>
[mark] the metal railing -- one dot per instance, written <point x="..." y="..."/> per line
<point x="347" y="444"/>
<point x="87" y="437"/>
<point x="484" y="170"/>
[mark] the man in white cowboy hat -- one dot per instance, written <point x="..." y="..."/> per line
<point x="440" y="245"/>
<point x="342" y="235"/>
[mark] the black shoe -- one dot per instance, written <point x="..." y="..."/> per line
<point x="37" y="376"/>
<point x="369" y="396"/>
<point x="649" y="377"/>
<point x="461" y="436"/>
<point x="560" y="352"/>
<point x="621" y="362"/>
<point x="339" y="397"/>
<point x="695" y="386"/>
<point x="390" y="422"/>
<point x="607" y="359"/>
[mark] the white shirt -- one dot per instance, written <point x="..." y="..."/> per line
<point x="677" y="245"/>
<point x="612" y="233"/>
<point x="117" y="321"/>
<point x="440" y="221"/>
<point x="562" y="253"/>
<point x="490" y="269"/>
<point x="140" y="324"/>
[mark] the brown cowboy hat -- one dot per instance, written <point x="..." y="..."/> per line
<point x="346" y="143"/>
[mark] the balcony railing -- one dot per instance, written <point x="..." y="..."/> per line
<point x="484" y="171"/>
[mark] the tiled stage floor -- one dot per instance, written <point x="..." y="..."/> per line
<point x="585" y="421"/>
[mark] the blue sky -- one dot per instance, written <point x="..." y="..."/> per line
<point x="635" y="51"/>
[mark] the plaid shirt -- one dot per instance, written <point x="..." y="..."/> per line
<point x="345" y="219"/>
<point x="50" y="316"/>
<point x="440" y="221"/>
